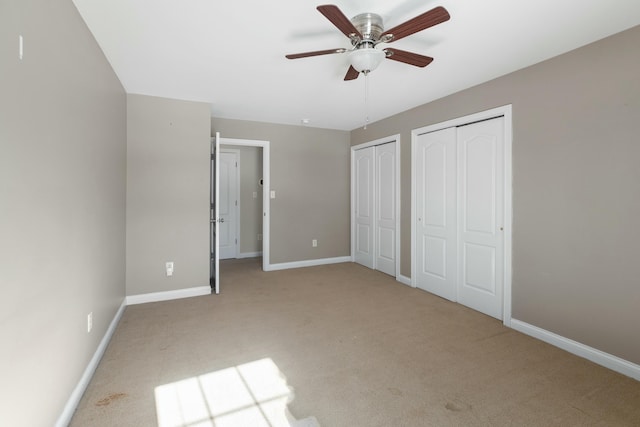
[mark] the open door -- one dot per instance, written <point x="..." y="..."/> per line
<point x="214" y="277"/>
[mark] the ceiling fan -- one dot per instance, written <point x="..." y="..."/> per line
<point x="366" y="31"/>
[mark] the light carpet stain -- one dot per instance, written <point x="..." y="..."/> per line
<point x="395" y="391"/>
<point x="457" y="406"/>
<point x="111" y="398"/>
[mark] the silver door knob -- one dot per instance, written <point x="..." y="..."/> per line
<point x="221" y="219"/>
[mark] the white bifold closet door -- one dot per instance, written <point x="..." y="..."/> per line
<point x="375" y="207"/>
<point x="436" y="226"/>
<point x="459" y="214"/>
<point x="364" y="186"/>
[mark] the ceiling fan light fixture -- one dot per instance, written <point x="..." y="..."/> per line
<point x="366" y="59"/>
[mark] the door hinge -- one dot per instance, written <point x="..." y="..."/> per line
<point x="236" y="203"/>
<point x="236" y="241"/>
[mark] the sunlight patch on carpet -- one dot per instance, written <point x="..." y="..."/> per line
<point x="251" y="394"/>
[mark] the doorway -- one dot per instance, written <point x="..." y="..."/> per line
<point x="461" y="211"/>
<point x="375" y="203"/>
<point x="217" y="227"/>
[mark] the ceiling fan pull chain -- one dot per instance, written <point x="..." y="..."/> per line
<point x="366" y="99"/>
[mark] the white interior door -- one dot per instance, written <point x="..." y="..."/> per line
<point x="364" y="205"/>
<point x="435" y="228"/>
<point x="228" y="195"/>
<point x="385" y="211"/>
<point x="459" y="214"/>
<point x="480" y="215"/>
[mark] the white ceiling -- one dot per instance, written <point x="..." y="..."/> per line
<point x="231" y="53"/>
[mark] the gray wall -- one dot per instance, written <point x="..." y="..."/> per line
<point x="310" y="174"/>
<point x="576" y="197"/>
<point x="250" y="207"/>
<point x="168" y="152"/>
<point x="62" y="206"/>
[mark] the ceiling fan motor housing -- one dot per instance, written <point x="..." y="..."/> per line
<point x="369" y="25"/>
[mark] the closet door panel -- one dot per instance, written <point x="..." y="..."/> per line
<point x="481" y="207"/>
<point x="436" y="250"/>
<point x="385" y="190"/>
<point x="364" y="205"/>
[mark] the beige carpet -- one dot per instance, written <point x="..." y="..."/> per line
<point x="348" y="346"/>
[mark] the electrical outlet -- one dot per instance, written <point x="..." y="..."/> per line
<point x="89" y="322"/>
<point x="314" y="243"/>
<point x="259" y="237"/>
<point x="169" y="268"/>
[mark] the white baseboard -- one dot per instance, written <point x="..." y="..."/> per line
<point x="250" y="254"/>
<point x="168" y="295"/>
<point x="600" y="357"/>
<point x="404" y="280"/>
<point x="76" y="395"/>
<point x="307" y="263"/>
<point x="72" y="403"/>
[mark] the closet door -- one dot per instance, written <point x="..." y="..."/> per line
<point x="385" y="211"/>
<point x="480" y="215"/>
<point x="436" y="254"/>
<point x="364" y="206"/>
<point x="459" y="214"/>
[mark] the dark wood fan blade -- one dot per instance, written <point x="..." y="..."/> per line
<point x="428" y="19"/>
<point x="314" y="53"/>
<point x="337" y="18"/>
<point x="352" y="74"/>
<point x="408" y="57"/>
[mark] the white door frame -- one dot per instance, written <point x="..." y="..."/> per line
<point x="506" y="112"/>
<point x="266" y="180"/>
<point x="237" y="216"/>
<point x="386" y="140"/>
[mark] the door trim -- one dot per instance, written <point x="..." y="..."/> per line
<point x="393" y="138"/>
<point x="506" y="112"/>
<point x="266" y="185"/>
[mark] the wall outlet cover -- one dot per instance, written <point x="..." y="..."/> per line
<point x="169" y="268"/>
